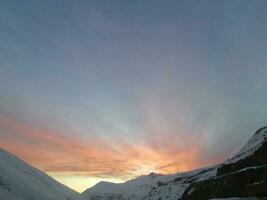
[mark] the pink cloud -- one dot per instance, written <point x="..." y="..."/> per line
<point x="56" y="152"/>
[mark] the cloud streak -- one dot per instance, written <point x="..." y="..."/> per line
<point x="55" y="152"/>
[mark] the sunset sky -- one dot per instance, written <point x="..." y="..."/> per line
<point x="113" y="89"/>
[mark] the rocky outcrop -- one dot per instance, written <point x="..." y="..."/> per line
<point x="244" y="175"/>
<point x="247" y="182"/>
<point x="258" y="155"/>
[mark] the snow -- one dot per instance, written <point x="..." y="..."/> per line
<point x="158" y="186"/>
<point x="149" y="187"/>
<point x="19" y="179"/>
<point x="253" y="145"/>
<point x="5" y="195"/>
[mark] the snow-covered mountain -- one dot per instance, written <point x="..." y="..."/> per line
<point x="170" y="187"/>
<point x="149" y="187"/>
<point x="20" y="181"/>
<point x="243" y="175"/>
<point x="255" y="142"/>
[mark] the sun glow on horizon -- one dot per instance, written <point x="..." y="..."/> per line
<point x="80" y="164"/>
<point x="110" y="90"/>
<point x="81" y="183"/>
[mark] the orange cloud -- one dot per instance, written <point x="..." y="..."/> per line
<point x="56" y="152"/>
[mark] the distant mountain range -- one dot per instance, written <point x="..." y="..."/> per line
<point x="243" y="176"/>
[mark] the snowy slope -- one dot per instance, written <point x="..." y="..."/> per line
<point x="25" y="182"/>
<point x="5" y="195"/>
<point x="20" y="181"/>
<point x="149" y="187"/>
<point x="157" y="186"/>
<point x="253" y="145"/>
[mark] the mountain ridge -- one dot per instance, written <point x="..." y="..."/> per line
<point x="20" y="179"/>
<point x="244" y="175"/>
<point x="182" y="185"/>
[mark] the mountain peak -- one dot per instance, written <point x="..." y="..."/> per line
<point x="261" y="131"/>
<point x="153" y="175"/>
<point x="254" y="143"/>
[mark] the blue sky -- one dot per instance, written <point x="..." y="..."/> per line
<point x="132" y="74"/>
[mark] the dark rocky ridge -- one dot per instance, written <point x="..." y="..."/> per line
<point x="239" y="177"/>
<point x="259" y="157"/>
<point x="244" y="175"/>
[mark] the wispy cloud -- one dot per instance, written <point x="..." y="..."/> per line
<point x="55" y="152"/>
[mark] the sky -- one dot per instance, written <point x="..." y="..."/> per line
<point x="109" y="90"/>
